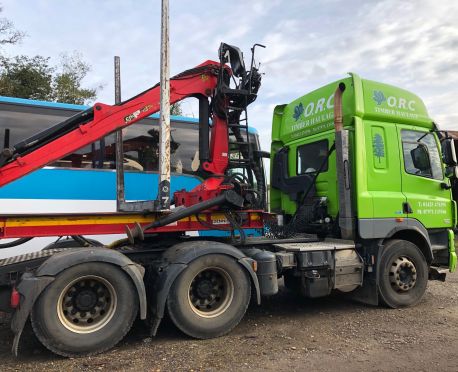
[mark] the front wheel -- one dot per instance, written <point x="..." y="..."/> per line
<point x="209" y="297"/>
<point x="403" y="274"/>
<point x="87" y="309"/>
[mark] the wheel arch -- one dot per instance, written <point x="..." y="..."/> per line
<point x="32" y="285"/>
<point x="415" y="236"/>
<point x="177" y="258"/>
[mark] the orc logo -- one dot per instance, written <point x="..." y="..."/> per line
<point x="378" y="97"/>
<point x="393" y="102"/>
<point x="298" y="111"/>
<point x="313" y="107"/>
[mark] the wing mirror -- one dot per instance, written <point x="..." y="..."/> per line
<point x="449" y="152"/>
<point x="451" y="172"/>
<point x="420" y="157"/>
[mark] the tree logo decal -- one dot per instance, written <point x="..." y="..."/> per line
<point x="379" y="146"/>
<point x="298" y="111"/>
<point x="379" y="97"/>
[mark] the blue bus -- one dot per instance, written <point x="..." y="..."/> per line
<point x="85" y="181"/>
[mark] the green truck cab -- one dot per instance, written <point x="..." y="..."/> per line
<point x="399" y="174"/>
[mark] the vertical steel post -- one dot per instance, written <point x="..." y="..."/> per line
<point x="164" y="136"/>
<point x="120" y="196"/>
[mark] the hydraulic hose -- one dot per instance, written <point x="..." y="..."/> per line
<point x="15" y="243"/>
<point x="229" y="196"/>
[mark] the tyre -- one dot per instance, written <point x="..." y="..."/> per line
<point x="87" y="309"/>
<point x="70" y="243"/>
<point x="403" y="274"/>
<point x="210" y="297"/>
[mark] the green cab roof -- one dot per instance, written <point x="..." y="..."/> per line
<point x="313" y="113"/>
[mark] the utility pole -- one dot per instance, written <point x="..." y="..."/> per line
<point x="120" y="199"/>
<point x="164" y="135"/>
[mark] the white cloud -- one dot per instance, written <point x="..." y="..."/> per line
<point x="412" y="44"/>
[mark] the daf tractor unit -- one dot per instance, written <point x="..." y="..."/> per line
<point x="362" y="200"/>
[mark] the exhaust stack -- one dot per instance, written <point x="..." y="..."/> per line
<point x="343" y="166"/>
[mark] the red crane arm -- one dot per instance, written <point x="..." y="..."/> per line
<point x="202" y="80"/>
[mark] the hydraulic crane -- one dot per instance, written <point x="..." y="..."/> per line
<point x="224" y="90"/>
<point x="209" y="80"/>
<point x="221" y="104"/>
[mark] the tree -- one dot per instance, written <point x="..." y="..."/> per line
<point x="176" y="109"/>
<point x="8" y="34"/>
<point x="26" y="77"/>
<point x="35" y="78"/>
<point x="66" y="84"/>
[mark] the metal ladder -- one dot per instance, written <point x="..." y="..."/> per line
<point x="240" y="148"/>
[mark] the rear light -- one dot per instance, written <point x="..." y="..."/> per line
<point x="15" y="298"/>
<point x="254" y="265"/>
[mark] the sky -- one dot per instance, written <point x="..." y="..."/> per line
<point x="410" y="44"/>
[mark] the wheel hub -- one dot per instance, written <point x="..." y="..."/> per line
<point x="86" y="304"/>
<point x="204" y="289"/>
<point x="403" y="274"/>
<point x="211" y="292"/>
<point x="86" y="300"/>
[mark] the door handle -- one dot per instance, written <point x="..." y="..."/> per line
<point x="406" y="208"/>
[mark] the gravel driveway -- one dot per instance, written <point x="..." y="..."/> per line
<point x="285" y="333"/>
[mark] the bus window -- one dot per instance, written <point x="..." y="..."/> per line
<point x="26" y="120"/>
<point x="82" y="158"/>
<point x="141" y="147"/>
<point x="185" y="144"/>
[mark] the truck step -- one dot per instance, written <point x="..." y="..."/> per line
<point x="262" y="240"/>
<point x="326" y="245"/>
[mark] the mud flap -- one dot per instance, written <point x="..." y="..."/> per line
<point x="29" y="288"/>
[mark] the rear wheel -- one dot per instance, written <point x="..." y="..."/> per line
<point x="403" y="274"/>
<point x="210" y="297"/>
<point x="86" y="310"/>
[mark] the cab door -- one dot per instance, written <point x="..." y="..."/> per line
<point x="423" y="179"/>
<point x="384" y="184"/>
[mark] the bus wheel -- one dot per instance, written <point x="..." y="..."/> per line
<point x="87" y="309"/>
<point x="210" y="297"/>
<point x="403" y="274"/>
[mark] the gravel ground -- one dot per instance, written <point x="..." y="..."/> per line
<point x="285" y="333"/>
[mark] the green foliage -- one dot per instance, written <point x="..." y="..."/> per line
<point x="26" y="77"/>
<point x="176" y="109"/>
<point x="67" y="82"/>
<point x="35" y="78"/>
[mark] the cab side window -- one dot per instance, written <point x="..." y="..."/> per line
<point x="421" y="155"/>
<point x="312" y="156"/>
